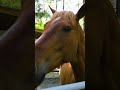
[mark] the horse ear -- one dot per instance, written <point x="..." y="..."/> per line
<point x="53" y="11"/>
<point x="81" y="12"/>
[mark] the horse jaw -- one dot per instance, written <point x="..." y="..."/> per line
<point x="43" y="65"/>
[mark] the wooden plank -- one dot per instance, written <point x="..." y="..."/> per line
<point x="38" y="33"/>
<point x="73" y="86"/>
<point x="9" y="11"/>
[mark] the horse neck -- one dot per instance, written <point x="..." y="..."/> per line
<point x="79" y="64"/>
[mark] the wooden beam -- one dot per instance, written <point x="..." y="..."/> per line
<point x="73" y="86"/>
<point x="9" y="11"/>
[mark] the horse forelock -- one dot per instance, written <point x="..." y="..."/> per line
<point x="54" y="21"/>
<point x="66" y="15"/>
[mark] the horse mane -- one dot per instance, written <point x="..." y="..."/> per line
<point x="81" y="47"/>
<point x="66" y="15"/>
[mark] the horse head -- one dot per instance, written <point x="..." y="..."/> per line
<point x="61" y="41"/>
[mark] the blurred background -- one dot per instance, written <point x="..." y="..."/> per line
<point x="43" y="13"/>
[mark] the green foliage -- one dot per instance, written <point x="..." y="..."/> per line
<point x="41" y="14"/>
<point x="39" y="25"/>
<point x="42" y="11"/>
<point x="16" y="4"/>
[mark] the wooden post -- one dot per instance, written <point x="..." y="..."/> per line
<point x="73" y="86"/>
<point x="118" y="9"/>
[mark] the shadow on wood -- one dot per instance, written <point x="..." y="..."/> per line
<point x="102" y="46"/>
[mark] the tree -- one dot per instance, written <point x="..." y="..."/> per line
<point x="40" y="13"/>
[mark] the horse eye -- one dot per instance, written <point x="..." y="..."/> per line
<point x="67" y="29"/>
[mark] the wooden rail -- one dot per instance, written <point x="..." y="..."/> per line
<point x="9" y="11"/>
<point x="73" y="86"/>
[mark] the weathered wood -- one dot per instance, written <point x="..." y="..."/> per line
<point x="17" y="52"/>
<point x="9" y="11"/>
<point x="8" y="16"/>
<point x="102" y="31"/>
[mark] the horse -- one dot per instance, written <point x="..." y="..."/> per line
<point x="102" y="50"/>
<point x="62" y="41"/>
<point x="17" y="52"/>
<point x="66" y="74"/>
